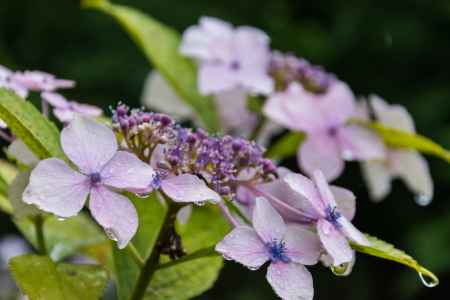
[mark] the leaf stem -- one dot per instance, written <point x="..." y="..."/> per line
<point x="135" y="254"/>
<point x="39" y="227"/>
<point x="204" y="252"/>
<point x="261" y="121"/>
<point x="151" y="264"/>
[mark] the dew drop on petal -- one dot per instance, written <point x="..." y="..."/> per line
<point x="423" y="200"/>
<point x="347" y="155"/>
<point x="112" y="235"/>
<point x="142" y="195"/>
<point x="226" y="257"/>
<point x="252" y="268"/>
<point x="341" y="270"/>
<point x="60" y="219"/>
<point x="428" y="281"/>
<point x="200" y="203"/>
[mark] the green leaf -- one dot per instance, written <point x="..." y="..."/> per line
<point x="186" y="280"/>
<point x="41" y="279"/>
<point x="64" y="238"/>
<point x="286" y="146"/>
<point x="28" y="124"/>
<point x="7" y="174"/>
<point x="401" y="139"/>
<point x="160" y="44"/>
<point x="151" y="216"/>
<point x="387" y="251"/>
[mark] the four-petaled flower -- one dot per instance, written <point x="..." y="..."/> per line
<point x="323" y="117"/>
<point x="229" y="57"/>
<point x="92" y="147"/>
<point x="40" y="81"/>
<point x="287" y="247"/>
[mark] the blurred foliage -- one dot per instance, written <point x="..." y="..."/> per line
<point x="397" y="49"/>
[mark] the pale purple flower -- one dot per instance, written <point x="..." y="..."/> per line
<point x="65" y="110"/>
<point x="323" y="117"/>
<point x="405" y="164"/>
<point x="92" y="147"/>
<point x="228" y="57"/>
<point x="287" y="247"/>
<point x="6" y="81"/>
<point x="39" y="81"/>
<point x="11" y="246"/>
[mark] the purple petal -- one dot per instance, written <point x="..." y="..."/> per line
<point x="126" y="171"/>
<point x="88" y="144"/>
<point x="290" y="281"/>
<point x="115" y="213"/>
<point x="244" y="246"/>
<point x="345" y="201"/>
<point x="86" y="109"/>
<point x="64" y="115"/>
<point x="338" y="104"/>
<point x="22" y="153"/>
<point x="188" y="188"/>
<point x="54" y="187"/>
<point x="395" y="116"/>
<point x="320" y="152"/>
<point x="302" y="244"/>
<point x="358" y="143"/>
<point x="214" y="78"/>
<point x="352" y="233"/>
<point x="334" y="242"/>
<point x="267" y="221"/>
<point x="56" y="100"/>
<point x="324" y="190"/>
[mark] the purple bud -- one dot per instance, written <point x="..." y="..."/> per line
<point x="124" y="124"/>
<point x="165" y="120"/>
<point x="191" y="139"/>
<point x="121" y="110"/>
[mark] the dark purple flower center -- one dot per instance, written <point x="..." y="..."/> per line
<point x="156" y="182"/>
<point x="332" y="216"/>
<point x="332" y="131"/>
<point x="235" y="65"/>
<point x="95" y="178"/>
<point x="277" y="251"/>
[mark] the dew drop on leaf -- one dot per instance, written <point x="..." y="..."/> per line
<point x="428" y="280"/>
<point x="423" y="200"/>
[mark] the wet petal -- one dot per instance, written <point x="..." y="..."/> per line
<point x="324" y="190"/>
<point x="115" y="213"/>
<point x="413" y="169"/>
<point x="54" y="187"/>
<point x="358" y="143"/>
<point x="345" y="201"/>
<point x="291" y="281"/>
<point x="395" y="116"/>
<point x="321" y="152"/>
<point x="126" y="171"/>
<point x="267" y="221"/>
<point x="88" y="144"/>
<point x="352" y="232"/>
<point x="334" y="242"/>
<point x="302" y="244"/>
<point x="244" y="246"/>
<point x="188" y="188"/>
<point x="378" y="179"/>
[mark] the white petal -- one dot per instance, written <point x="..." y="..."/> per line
<point x="378" y="179"/>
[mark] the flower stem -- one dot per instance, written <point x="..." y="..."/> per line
<point x="151" y="264"/>
<point x="204" y="252"/>
<point x="261" y="121"/>
<point x="135" y="254"/>
<point x="39" y="226"/>
<point x="227" y="214"/>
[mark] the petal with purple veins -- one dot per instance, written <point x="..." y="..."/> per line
<point x="188" y="188"/>
<point x="267" y="221"/>
<point x="334" y="242"/>
<point x="302" y="244"/>
<point x="290" y="281"/>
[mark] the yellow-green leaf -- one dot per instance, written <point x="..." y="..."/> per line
<point x="286" y="146"/>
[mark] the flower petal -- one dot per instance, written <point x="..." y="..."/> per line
<point x="302" y="244"/>
<point x="290" y="281"/>
<point x="334" y="242"/>
<point x="352" y="232"/>
<point x="378" y="179"/>
<point x="21" y="153"/>
<point x="345" y="201"/>
<point x="320" y="152"/>
<point x="337" y="104"/>
<point x="324" y="190"/>
<point x="214" y="78"/>
<point x="267" y="221"/>
<point x="56" y="100"/>
<point x="126" y="171"/>
<point x="88" y="144"/>
<point x="54" y="187"/>
<point x="244" y="246"/>
<point x="188" y="188"/>
<point x="87" y="110"/>
<point x="358" y="143"/>
<point x="395" y="116"/>
<point x="64" y="115"/>
<point x="115" y="213"/>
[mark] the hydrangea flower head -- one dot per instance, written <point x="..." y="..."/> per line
<point x="56" y="188"/>
<point x="287" y="247"/>
<point x="405" y="164"/>
<point x="323" y="117"/>
<point x="65" y="110"/>
<point x="228" y="57"/>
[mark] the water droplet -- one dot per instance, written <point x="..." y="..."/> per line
<point x="60" y="219"/>
<point x="251" y="268"/>
<point x="226" y="257"/>
<point x="347" y="155"/>
<point x="428" y="280"/>
<point x="342" y="269"/>
<point x="112" y="235"/>
<point x="423" y="200"/>
<point x="142" y="195"/>
<point x="200" y="203"/>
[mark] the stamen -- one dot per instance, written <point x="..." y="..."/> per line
<point x="277" y="251"/>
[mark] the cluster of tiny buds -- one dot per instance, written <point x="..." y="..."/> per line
<point x="222" y="161"/>
<point x="287" y="68"/>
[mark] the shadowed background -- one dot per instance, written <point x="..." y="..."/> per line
<point x="397" y="49"/>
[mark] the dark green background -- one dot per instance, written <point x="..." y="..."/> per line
<point x="397" y="49"/>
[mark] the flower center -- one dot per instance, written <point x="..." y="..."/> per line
<point x="332" y="216"/>
<point x="277" y="251"/>
<point x="332" y="131"/>
<point x="95" y="178"/>
<point x="235" y="65"/>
